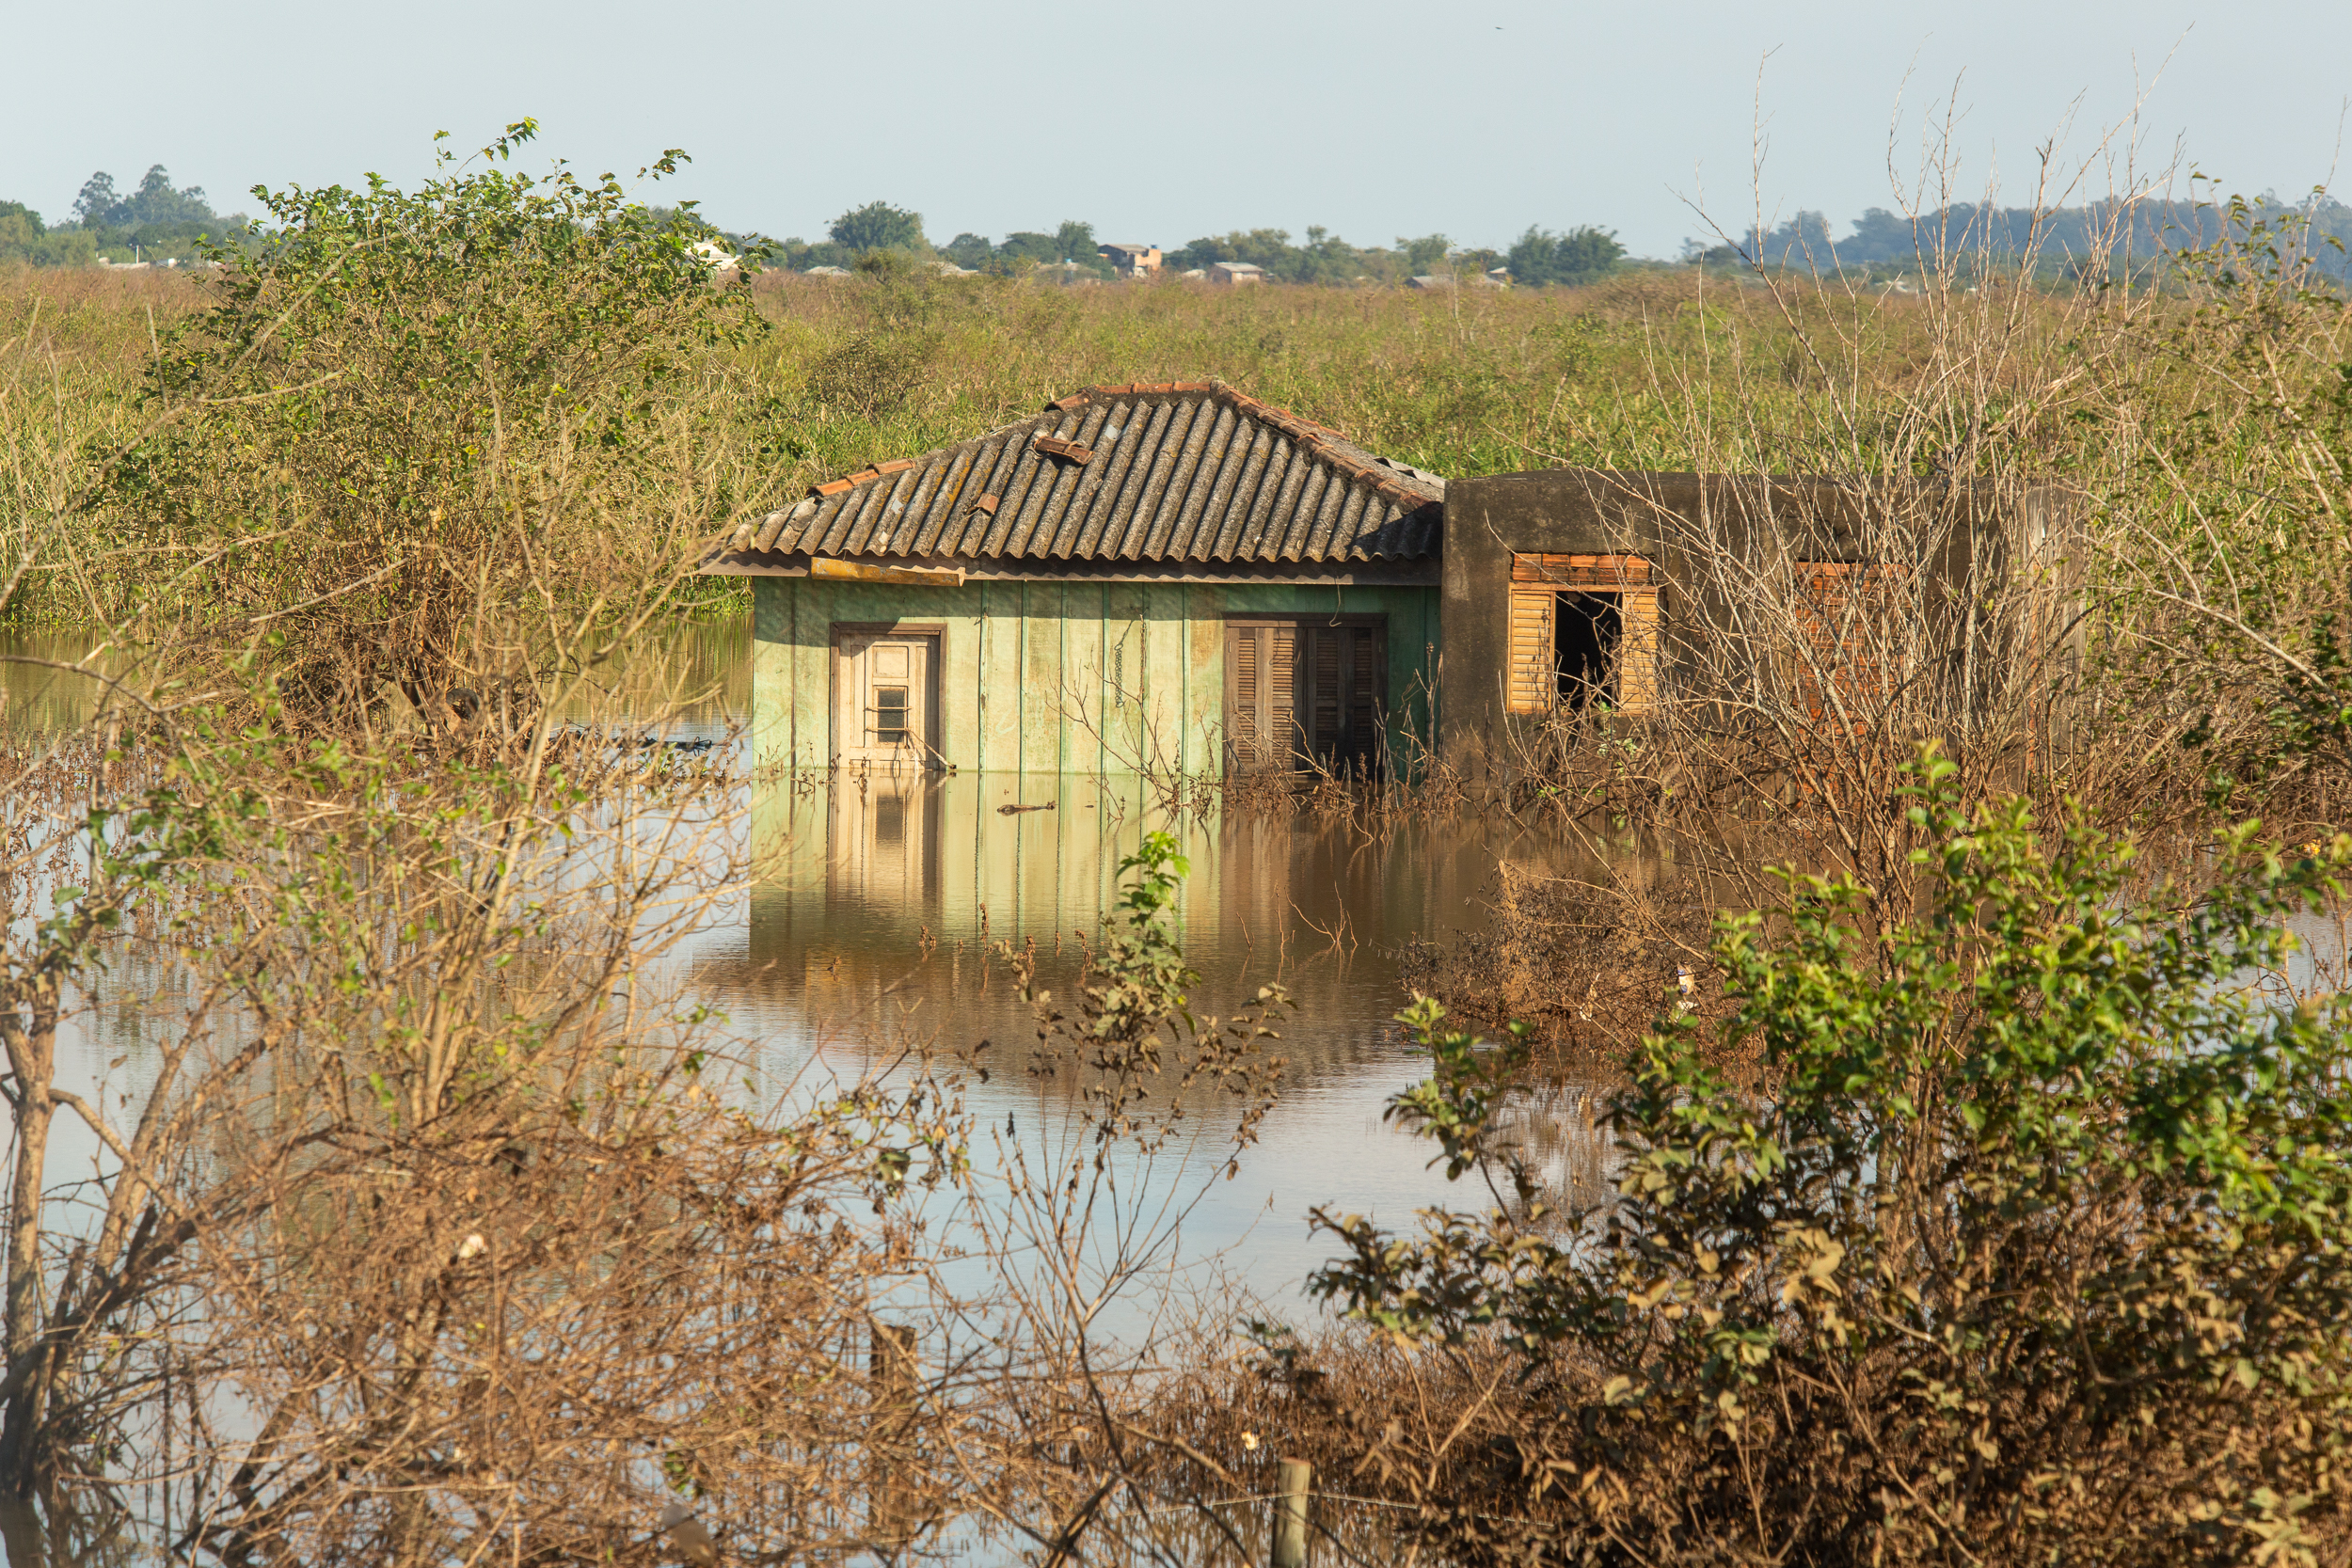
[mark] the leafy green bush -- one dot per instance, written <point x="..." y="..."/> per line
<point x="410" y="415"/>
<point x="2030" y="1247"/>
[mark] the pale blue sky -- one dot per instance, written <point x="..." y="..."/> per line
<point x="1160" y="121"/>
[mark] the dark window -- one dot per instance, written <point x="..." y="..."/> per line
<point x="1304" y="692"/>
<point x="1586" y="628"/>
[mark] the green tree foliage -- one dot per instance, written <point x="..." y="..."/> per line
<point x="1075" y="240"/>
<point x="879" y="226"/>
<point x="1967" y="237"/>
<point x="1583" y="255"/>
<point x="1027" y="246"/>
<point x="1323" y="258"/>
<point x="1420" y="257"/>
<point x="2030" y="1247"/>
<point x="154" y="221"/>
<point x="23" y="238"/>
<point x="1024" y="248"/>
<point x="155" y="201"/>
<point x="411" y="406"/>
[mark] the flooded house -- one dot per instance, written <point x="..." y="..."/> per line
<point x="1171" y="577"/>
<point x="1180" y="579"/>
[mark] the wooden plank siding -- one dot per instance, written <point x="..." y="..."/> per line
<point x="1084" y="677"/>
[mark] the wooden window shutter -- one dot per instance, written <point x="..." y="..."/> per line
<point x="1363" y="693"/>
<point x="1637" y="651"/>
<point x="1537" y="580"/>
<point x="1281" y="681"/>
<point x="1303" y="687"/>
<point x="1324" y="687"/>
<point x="1532" y="684"/>
<point x="1242" y="652"/>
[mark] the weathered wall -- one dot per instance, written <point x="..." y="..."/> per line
<point x="1706" y="535"/>
<point x="1062" y="677"/>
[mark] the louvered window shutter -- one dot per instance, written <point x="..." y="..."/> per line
<point x="1637" y="651"/>
<point x="1282" y="684"/>
<point x="1326" y="687"/>
<point x="1363" y="692"/>
<point x="1533" y="681"/>
<point x="1249" y="718"/>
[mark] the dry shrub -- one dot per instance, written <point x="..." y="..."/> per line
<point x="872" y="375"/>
<point x="533" y="1326"/>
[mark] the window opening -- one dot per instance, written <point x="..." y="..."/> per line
<point x="1587" y="630"/>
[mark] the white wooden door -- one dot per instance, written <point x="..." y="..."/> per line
<point x="885" y="699"/>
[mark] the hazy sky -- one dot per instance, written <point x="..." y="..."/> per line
<point x="1160" y="121"/>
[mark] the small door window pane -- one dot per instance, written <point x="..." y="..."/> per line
<point x="890" y="715"/>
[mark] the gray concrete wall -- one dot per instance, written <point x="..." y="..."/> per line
<point x="1715" y="542"/>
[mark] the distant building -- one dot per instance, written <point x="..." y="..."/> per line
<point x="715" y="256"/>
<point x="1235" y="272"/>
<point x="1498" y="278"/>
<point x="1132" y="261"/>
<point x="1196" y="274"/>
<point x="826" y="272"/>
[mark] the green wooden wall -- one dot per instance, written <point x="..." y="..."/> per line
<point x="1064" y="677"/>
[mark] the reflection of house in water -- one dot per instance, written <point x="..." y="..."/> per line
<point x="851" y="878"/>
<point x="1178" y="578"/>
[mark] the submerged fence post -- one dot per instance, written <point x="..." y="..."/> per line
<point x="890" y="1512"/>
<point x="1290" y="1513"/>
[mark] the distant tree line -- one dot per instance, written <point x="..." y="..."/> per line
<point x="156" y="221"/>
<point x="864" y="235"/>
<point x="2063" y="240"/>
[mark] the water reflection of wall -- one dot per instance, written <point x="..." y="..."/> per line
<point x="856" y="871"/>
<point x="851" y="880"/>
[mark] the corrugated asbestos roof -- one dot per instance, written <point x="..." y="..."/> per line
<point x="1184" y="471"/>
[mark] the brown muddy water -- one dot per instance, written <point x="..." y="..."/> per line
<point x="868" y="923"/>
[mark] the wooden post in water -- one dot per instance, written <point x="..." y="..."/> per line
<point x="1290" y="1513"/>
<point x="890" y="1513"/>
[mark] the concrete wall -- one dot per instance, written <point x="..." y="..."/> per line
<point x="1063" y="678"/>
<point x="1711" y="538"/>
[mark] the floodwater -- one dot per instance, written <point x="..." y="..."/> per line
<point x="870" y="920"/>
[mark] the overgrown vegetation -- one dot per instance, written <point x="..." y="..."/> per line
<point x="2029" y="1247"/>
<point x="1982" y="1201"/>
